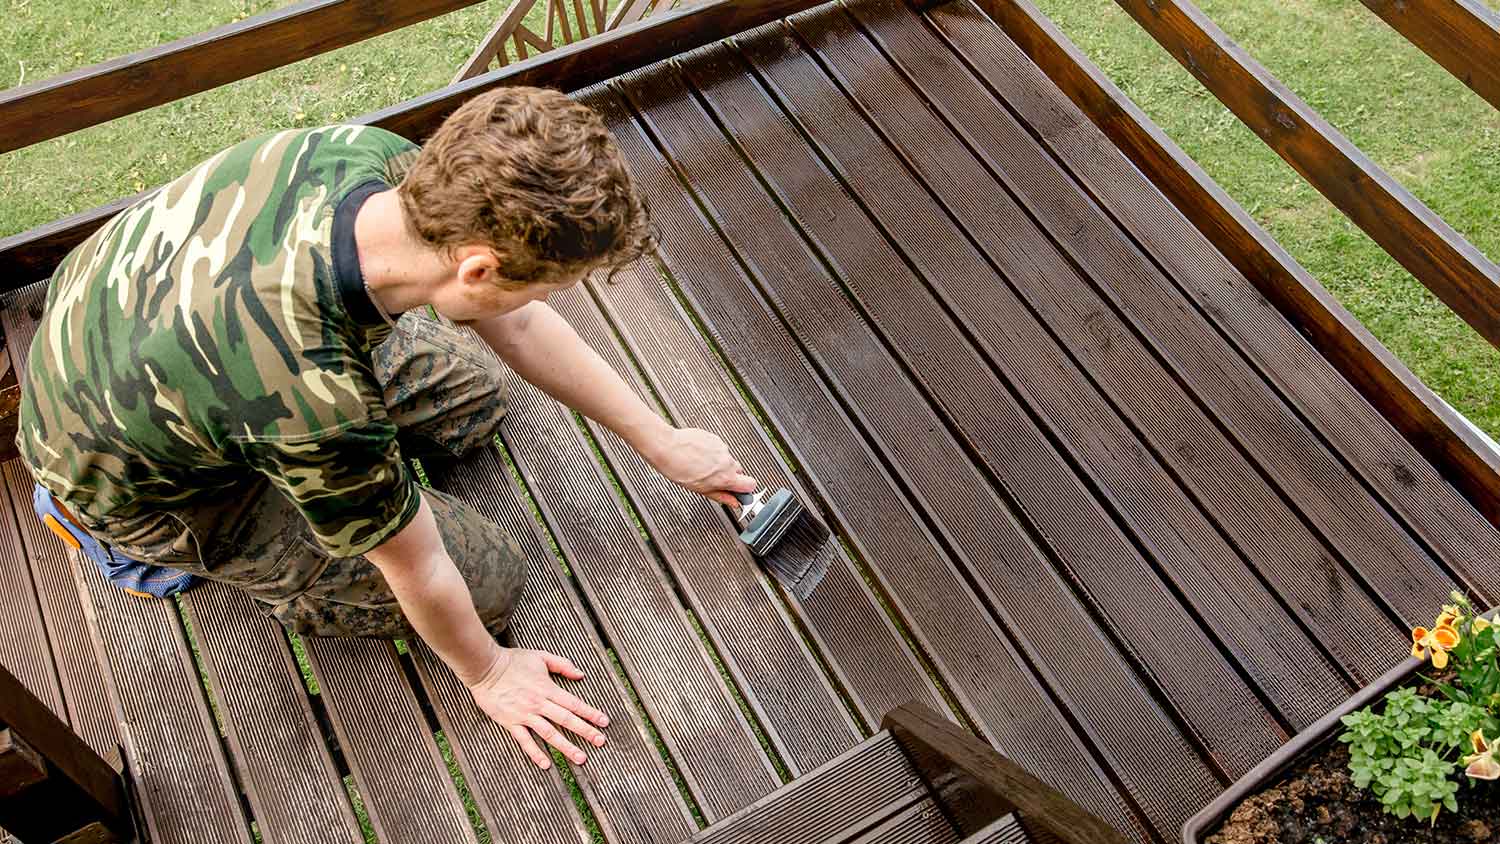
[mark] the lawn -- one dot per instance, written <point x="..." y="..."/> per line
<point x="1408" y="114"/>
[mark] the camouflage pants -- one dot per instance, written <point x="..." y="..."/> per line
<point x="446" y="395"/>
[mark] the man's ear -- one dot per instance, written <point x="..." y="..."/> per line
<point x="476" y="264"/>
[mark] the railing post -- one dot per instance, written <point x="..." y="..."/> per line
<point x="53" y="787"/>
<point x="975" y="785"/>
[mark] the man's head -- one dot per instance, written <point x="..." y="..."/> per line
<point x="524" y="191"/>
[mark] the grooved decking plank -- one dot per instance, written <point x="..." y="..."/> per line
<point x="842" y="616"/>
<point x="738" y="607"/>
<point x="1269" y="637"/>
<point x="1347" y="422"/>
<point x="75" y="656"/>
<point x="920" y="823"/>
<point x="1221" y="593"/>
<point x="625" y="781"/>
<point x="780" y="681"/>
<point x="1120" y="585"/>
<point x="393" y="756"/>
<point x="1012" y="572"/>
<point x="988" y="676"/>
<point x="174" y="759"/>
<point x="293" y="786"/>
<point x="1365" y="535"/>
<point x="866" y="779"/>
<point x="24" y="646"/>
<point x="1007" y="830"/>
<point x="1260" y="513"/>
<point x="669" y="665"/>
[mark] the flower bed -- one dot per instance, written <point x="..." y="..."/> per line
<point x="1409" y="760"/>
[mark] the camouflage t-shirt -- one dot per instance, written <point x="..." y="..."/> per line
<point x="217" y="332"/>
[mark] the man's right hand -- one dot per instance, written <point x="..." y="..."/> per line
<point x="519" y="693"/>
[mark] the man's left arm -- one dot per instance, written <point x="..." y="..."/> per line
<point x="545" y="350"/>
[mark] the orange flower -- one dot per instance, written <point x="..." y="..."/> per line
<point x="1438" y="640"/>
<point x="1482" y="763"/>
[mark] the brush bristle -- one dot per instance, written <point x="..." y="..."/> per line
<point x="801" y="559"/>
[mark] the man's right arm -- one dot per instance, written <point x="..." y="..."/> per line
<point x="512" y="685"/>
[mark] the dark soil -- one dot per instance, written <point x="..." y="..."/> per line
<point x="1318" y="804"/>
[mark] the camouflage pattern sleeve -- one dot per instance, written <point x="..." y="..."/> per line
<point x="352" y="486"/>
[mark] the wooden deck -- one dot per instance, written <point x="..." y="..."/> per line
<point x="1099" y="500"/>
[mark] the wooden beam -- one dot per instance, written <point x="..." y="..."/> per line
<point x="1433" y="428"/>
<point x="1409" y="231"/>
<point x="1461" y="35"/>
<point x="91" y="95"/>
<point x="21" y="767"/>
<point x="31" y="256"/>
<point x="72" y="789"/>
<point x="975" y="785"/>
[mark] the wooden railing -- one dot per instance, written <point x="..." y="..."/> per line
<point x="88" y="96"/>
<point x="1429" y="248"/>
<point x="1461" y="35"/>
<point x="1432" y="251"/>
<point x="566" y="21"/>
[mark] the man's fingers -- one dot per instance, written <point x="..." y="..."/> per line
<point x="529" y="746"/>
<point x="574" y="704"/>
<point x="553" y="736"/>
<point x="573" y="723"/>
<point x="726" y="499"/>
<point x="741" y="482"/>
<point x="562" y="665"/>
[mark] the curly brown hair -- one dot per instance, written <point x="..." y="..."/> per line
<point x="535" y="176"/>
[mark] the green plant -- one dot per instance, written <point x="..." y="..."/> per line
<point x="1406" y="754"/>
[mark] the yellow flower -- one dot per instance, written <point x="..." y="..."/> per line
<point x="1481" y="763"/>
<point x="1438" y="640"/>
<point x="1481" y="625"/>
<point x="1448" y="619"/>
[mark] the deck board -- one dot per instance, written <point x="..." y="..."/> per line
<point x="1431" y="507"/>
<point x="1118" y="583"/>
<point x="923" y="582"/>
<point x="285" y="767"/>
<point x="843" y="616"/>
<point x="627" y="780"/>
<point x="1153" y="336"/>
<point x="1007" y="563"/>
<point x="392" y="755"/>
<point x="670" y="666"/>
<point x="1173" y="429"/>
<point x="1224" y="595"/>
<point x="1094" y="496"/>
<point x="1299" y="573"/>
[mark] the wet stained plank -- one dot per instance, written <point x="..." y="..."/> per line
<point x="626" y="781"/>
<point x="1009" y="563"/>
<point x="988" y="675"/>
<point x="1365" y="441"/>
<point x="843" y="617"/>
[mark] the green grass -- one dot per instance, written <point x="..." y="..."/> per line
<point x="1408" y="114"/>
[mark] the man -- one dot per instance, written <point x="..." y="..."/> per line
<point x="220" y="380"/>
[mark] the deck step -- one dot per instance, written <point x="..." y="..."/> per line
<point x="852" y="798"/>
<point x="1006" y="830"/>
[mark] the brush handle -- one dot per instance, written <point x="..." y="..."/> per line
<point x="745" y="498"/>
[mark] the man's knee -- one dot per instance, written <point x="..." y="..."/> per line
<point x="490" y="560"/>
<point x="443" y="388"/>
